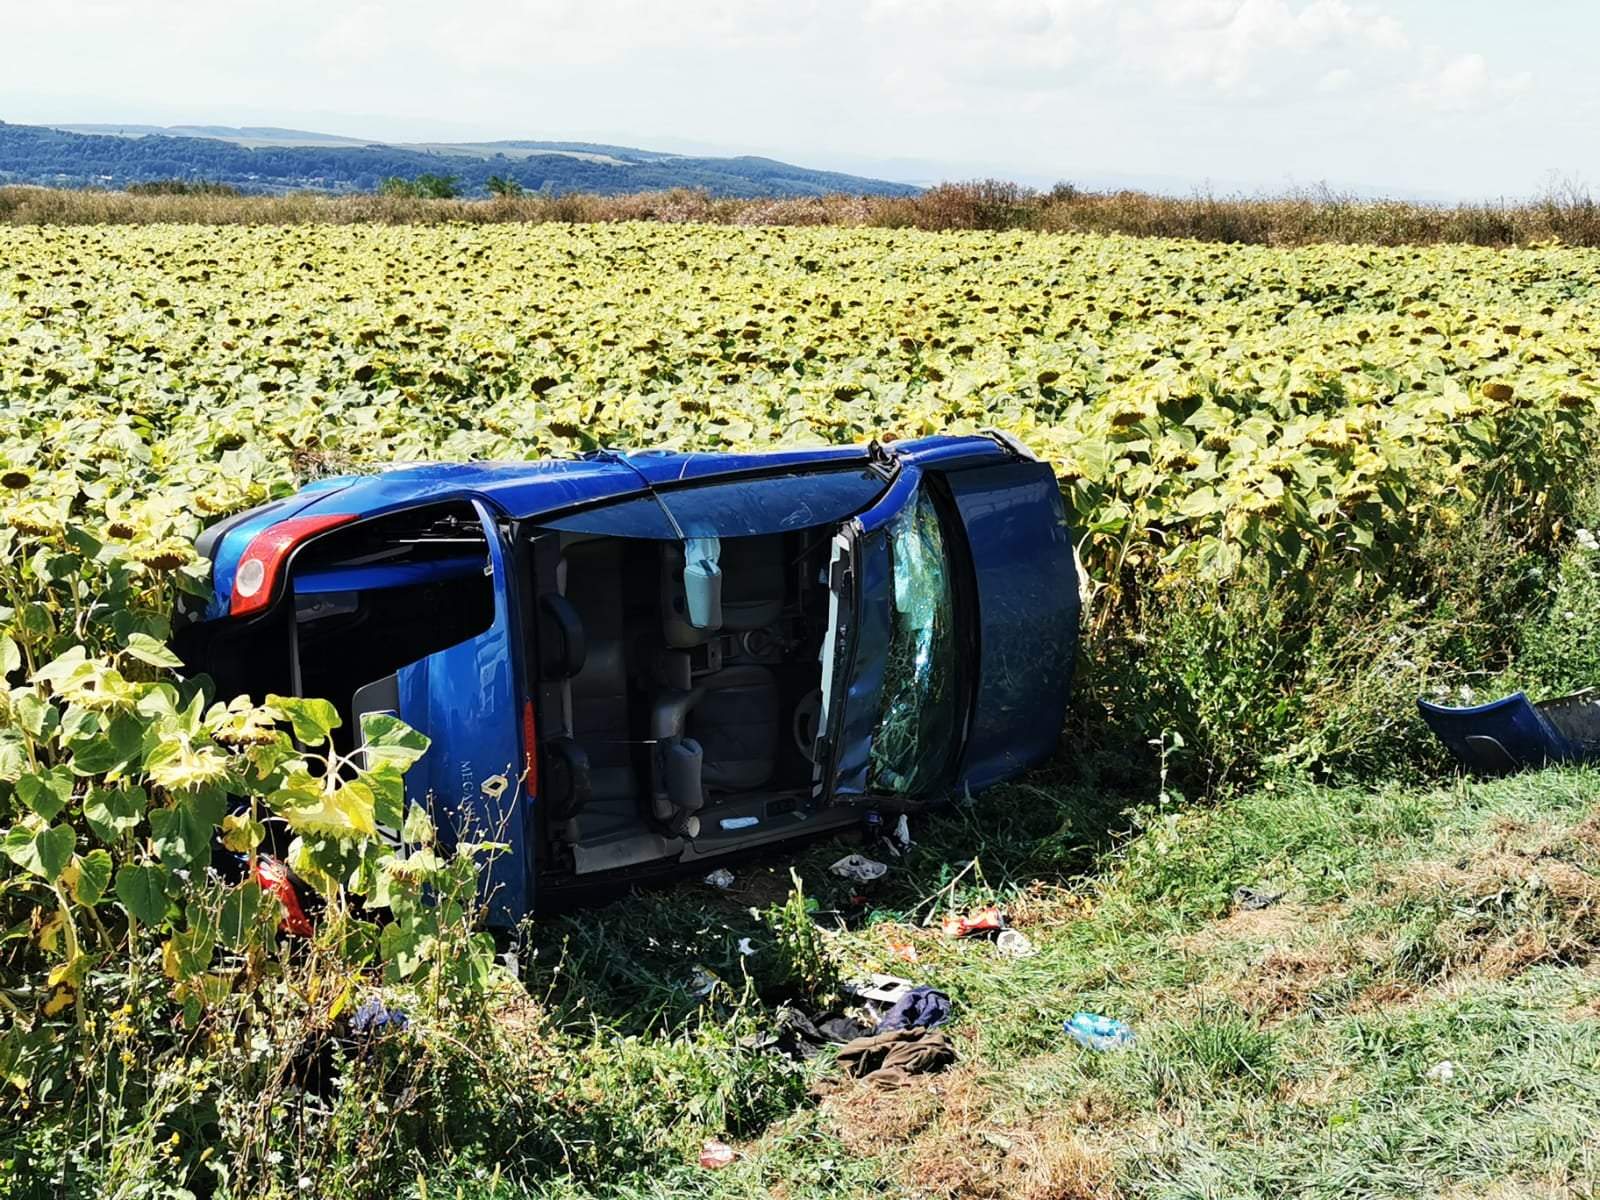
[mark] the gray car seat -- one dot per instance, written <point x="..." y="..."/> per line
<point x="600" y="690"/>
<point x="719" y="729"/>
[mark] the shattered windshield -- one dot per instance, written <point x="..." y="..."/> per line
<point x="917" y="726"/>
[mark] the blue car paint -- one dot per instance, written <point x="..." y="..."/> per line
<point x="385" y="575"/>
<point x="468" y="697"/>
<point x="1503" y="735"/>
<point x="1027" y="596"/>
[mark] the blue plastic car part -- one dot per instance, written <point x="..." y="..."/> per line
<point x="1499" y="737"/>
<point x="386" y="575"/>
<point x="475" y="775"/>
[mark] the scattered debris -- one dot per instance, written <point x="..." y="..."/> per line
<point x="859" y="868"/>
<point x="882" y="989"/>
<point x="902" y="834"/>
<point x="901" y="949"/>
<point x="721" y="879"/>
<point x="745" y="948"/>
<point x="798" y="1037"/>
<point x="890" y="1059"/>
<point x="1249" y="899"/>
<point x="375" y="1018"/>
<point x="1013" y="943"/>
<point x="1097" y="1032"/>
<point x="273" y="876"/>
<point x="1442" y="1072"/>
<point x="701" y="983"/>
<point x="920" y="1008"/>
<point x="716" y="1154"/>
<point x="985" y="920"/>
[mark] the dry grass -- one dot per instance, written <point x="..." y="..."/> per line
<point x="1568" y="214"/>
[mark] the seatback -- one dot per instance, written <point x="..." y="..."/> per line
<point x="594" y="586"/>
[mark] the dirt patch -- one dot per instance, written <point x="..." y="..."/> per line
<point x="1280" y="923"/>
<point x="1285" y="981"/>
<point x="1503" y="911"/>
<point x="1047" y="1161"/>
<point x="1051" y="904"/>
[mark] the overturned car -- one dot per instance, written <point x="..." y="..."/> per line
<point x="638" y="661"/>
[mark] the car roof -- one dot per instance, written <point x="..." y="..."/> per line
<point x="526" y="489"/>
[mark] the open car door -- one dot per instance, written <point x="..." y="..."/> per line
<point x="953" y="632"/>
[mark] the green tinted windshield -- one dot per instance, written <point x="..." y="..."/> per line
<point x="917" y="726"/>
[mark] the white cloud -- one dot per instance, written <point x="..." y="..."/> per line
<point x="1232" y="88"/>
<point x="1463" y="83"/>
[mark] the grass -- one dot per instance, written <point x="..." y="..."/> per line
<point x="1565" y="213"/>
<point x="1417" y="1016"/>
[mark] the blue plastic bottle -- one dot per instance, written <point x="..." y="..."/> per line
<point x="1097" y="1032"/>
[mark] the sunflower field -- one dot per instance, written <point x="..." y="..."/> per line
<point x="1221" y="417"/>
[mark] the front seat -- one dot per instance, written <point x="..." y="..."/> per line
<point x="718" y="730"/>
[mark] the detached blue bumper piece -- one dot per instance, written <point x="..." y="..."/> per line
<point x="1514" y="733"/>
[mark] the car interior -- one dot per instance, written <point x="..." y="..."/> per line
<point x="681" y="688"/>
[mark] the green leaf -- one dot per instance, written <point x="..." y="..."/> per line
<point x="313" y="720"/>
<point x="388" y="789"/>
<point x="112" y="812"/>
<point x="38" y="717"/>
<point x="141" y="890"/>
<point x="114" y="749"/>
<point x="389" y="741"/>
<point x="147" y="650"/>
<point x="13" y="755"/>
<point x="240" y="909"/>
<point x="94" y="874"/>
<point x="10" y="656"/>
<point x="46" y="792"/>
<point x="418" y="829"/>
<point x="182" y="834"/>
<point x="242" y="833"/>
<point x="44" y="851"/>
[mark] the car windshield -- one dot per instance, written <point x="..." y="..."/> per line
<point x="921" y="703"/>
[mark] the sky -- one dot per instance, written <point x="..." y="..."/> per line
<point x="1435" y="99"/>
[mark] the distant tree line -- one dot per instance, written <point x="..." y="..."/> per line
<point x="35" y="154"/>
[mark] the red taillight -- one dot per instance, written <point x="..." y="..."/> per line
<point x="257" y="572"/>
<point x="530" y="749"/>
<point x="273" y="877"/>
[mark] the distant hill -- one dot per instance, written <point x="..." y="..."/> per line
<point x="266" y="159"/>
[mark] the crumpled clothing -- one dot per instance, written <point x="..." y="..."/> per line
<point x="798" y="1037"/>
<point x="374" y="1018"/>
<point x="889" y="1060"/>
<point x="921" y="1006"/>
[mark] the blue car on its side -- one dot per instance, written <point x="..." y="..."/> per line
<point x="630" y="661"/>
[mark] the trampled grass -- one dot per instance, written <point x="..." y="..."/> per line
<point x="1305" y="1049"/>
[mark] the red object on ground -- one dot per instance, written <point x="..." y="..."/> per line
<point x="985" y="920"/>
<point x="273" y="877"/>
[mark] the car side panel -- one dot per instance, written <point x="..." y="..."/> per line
<point x="471" y="780"/>
<point x="1027" y="588"/>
